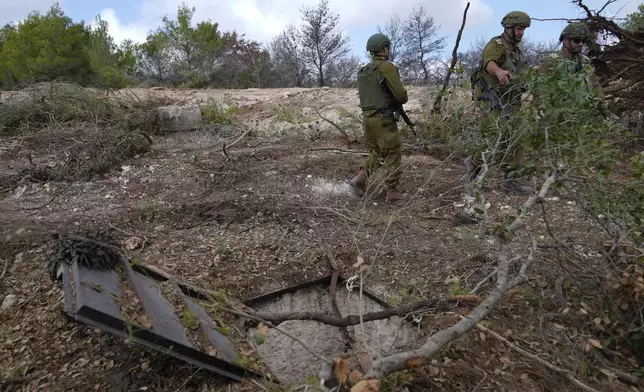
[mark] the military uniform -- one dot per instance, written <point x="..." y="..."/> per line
<point x="379" y="86"/>
<point x="381" y="92"/>
<point x="578" y="63"/>
<point x="494" y="101"/>
<point x="491" y="99"/>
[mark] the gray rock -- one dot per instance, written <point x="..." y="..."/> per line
<point x="179" y="118"/>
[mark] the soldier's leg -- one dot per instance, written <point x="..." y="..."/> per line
<point x="371" y="137"/>
<point x="368" y="166"/>
<point x="390" y="143"/>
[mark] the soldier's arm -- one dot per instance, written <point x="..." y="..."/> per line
<point x="493" y="54"/>
<point x="390" y="73"/>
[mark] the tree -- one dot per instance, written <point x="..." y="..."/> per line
<point x="101" y="52"/>
<point x="321" y="39"/>
<point x="155" y="58"/>
<point x="635" y="21"/>
<point x="288" y="58"/>
<point x="343" y="72"/>
<point x="46" y="47"/>
<point x="420" y="41"/>
<point x="243" y="63"/>
<point x="394" y="30"/>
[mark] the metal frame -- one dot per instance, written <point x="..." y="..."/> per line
<point x="89" y="297"/>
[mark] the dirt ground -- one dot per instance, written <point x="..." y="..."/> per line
<point x="256" y="221"/>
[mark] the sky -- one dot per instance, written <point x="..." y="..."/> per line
<point x="261" y="20"/>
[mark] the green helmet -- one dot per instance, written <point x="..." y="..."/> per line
<point x="377" y="42"/>
<point x="575" y="30"/>
<point x="516" y="18"/>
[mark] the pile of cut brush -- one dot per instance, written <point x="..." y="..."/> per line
<point x="82" y="132"/>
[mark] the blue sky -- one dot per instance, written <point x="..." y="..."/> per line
<point x="263" y="19"/>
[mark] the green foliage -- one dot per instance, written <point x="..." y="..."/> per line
<point x="215" y="113"/>
<point x="45" y="47"/>
<point x="105" y="62"/>
<point x="455" y="288"/>
<point x="148" y="210"/>
<point x="190" y="320"/>
<point x="562" y="127"/>
<point x="635" y="21"/>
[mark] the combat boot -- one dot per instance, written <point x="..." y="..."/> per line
<point x="395" y="197"/>
<point x="359" y="182"/>
<point x="510" y="185"/>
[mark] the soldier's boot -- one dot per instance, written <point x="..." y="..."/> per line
<point x="510" y="185"/>
<point x="395" y="197"/>
<point x="359" y="182"/>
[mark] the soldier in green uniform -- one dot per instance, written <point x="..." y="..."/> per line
<point x="497" y="91"/>
<point x="573" y="37"/>
<point x="380" y="88"/>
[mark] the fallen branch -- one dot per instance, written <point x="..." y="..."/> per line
<point x="400" y="361"/>
<point x="363" y="153"/>
<point x="50" y="200"/>
<point x="342" y="131"/>
<point x="567" y="373"/>
<point x="278" y="318"/>
<point x="484" y="281"/>
<point x="223" y="149"/>
<point x="622" y="376"/>
<point x="4" y="270"/>
<point x="437" y="104"/>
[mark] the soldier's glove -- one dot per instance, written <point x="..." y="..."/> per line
<point x="396" y="116"/>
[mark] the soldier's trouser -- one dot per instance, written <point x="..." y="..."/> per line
<point x="382" y="139"/>
<point x="509" y="156"/>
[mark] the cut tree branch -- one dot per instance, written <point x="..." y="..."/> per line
<point x="278" y="318"/>
<point x="439" y="98"/>
<point x="223" y="149"/>
<point x="342" y="131"/>
<point x="400" y="361"/>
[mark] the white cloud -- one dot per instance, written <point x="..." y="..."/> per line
<point x="136" y="32"/>
<point x="261" y="20"/>
<point x="15" y="11"/>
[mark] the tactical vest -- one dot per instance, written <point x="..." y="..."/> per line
<point x="514" y="61"/>
<point x="372" y="88"/>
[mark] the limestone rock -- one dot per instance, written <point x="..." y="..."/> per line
<point x="179" y="118"/>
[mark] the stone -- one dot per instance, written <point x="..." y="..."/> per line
<point x="175" y="118"/>
<point x="8" y="302"/>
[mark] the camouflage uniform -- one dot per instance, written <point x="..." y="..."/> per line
<point x="496" y="102"/>
<point x="493" y="101"/>
<point x="575" y="63"/>
<point x="380" y="88"/>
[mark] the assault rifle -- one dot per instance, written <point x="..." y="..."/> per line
<point x="399" y="108"/>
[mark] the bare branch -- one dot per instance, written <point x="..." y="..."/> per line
<point x="342" y="131"/>
<point x="439" y="98"/>
<point x="569" y="375"/>
<point x="235" y="142"/>
<point x="278" y="318"/>
<point x="392" y="363"/>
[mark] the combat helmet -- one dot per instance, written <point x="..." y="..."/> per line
<point x="516" y="18"/>
<point x="377" y="42"/>
<point x="577" y="30"/>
